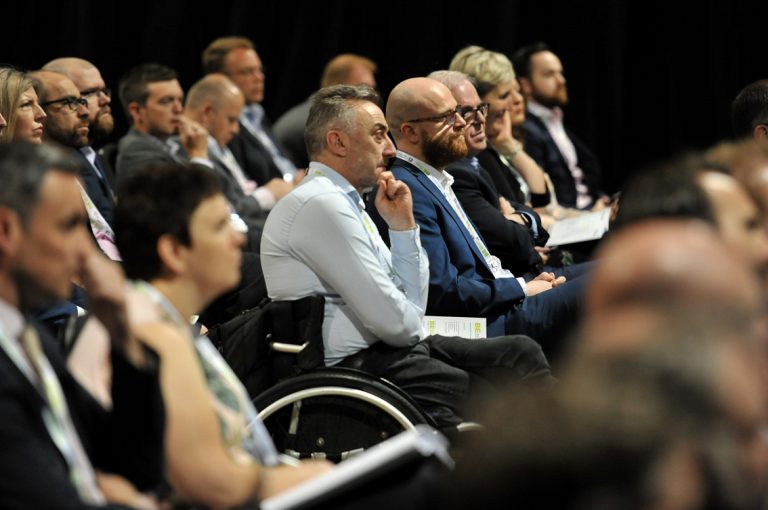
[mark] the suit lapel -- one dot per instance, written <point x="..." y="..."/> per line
<point x="432" y="188"/>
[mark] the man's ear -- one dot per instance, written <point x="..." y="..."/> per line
<point x="134" y="110"/>
<point x="171" y="253"/>
<point x="10" y="231"/>
<point x="208" y="112"/>
<point x="760" y="133"/>
<point x="337" y="142"/>
<point x="409" y="133"/>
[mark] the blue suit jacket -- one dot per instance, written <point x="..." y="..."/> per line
<point x="542" y="148"/>
<point x="460" y="282"/>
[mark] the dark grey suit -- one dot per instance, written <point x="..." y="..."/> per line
<point x="289" y="130"/>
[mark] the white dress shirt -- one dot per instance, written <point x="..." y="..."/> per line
<point x="318" y="240"/>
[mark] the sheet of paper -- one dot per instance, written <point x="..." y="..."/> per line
<point x="585" y="227"/>
<point x="420" y="443"/>
<point x="465" y="327"/>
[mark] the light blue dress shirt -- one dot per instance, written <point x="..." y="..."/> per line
<point x="317" y="241"/>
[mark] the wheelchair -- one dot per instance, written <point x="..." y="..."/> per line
<point x="311" y="411"/>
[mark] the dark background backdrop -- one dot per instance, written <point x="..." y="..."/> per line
<point x="646" y="79"/>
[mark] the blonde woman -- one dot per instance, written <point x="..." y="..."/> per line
<point x="20" y="108"/>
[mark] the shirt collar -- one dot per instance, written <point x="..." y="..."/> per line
<point x="214" y="147"/>
<point x="542" y="111"/>
<point x="442" y="177"/>
<point x="11" y="320"/>
<point x="253" y="113"/>
<point x="317" y="168"/>
<point x="89" y="154"/>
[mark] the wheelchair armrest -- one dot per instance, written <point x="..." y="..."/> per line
<point x="287" y="348"/>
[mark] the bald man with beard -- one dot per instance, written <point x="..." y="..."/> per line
<point x="465" y="279"/>
<point x="96" y="172"/>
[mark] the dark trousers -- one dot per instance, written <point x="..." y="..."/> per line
<point x="550" y="316"/>
<point x="436" y="372"/>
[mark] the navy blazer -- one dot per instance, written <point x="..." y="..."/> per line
<point x="542" y="148"/>
<point x="127" y="441"/>
<point x="512" y="242"/>
<point x="460" y="282"/>
<point x="99" y="189"/>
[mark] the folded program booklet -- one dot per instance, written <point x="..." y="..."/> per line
<point x="584" y="227"/>
<point x="465" y="327"/>
<point x="374" y="463"/>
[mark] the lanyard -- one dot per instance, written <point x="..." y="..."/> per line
<point x="56" y="415"/>
<point x="245" y="429"/>
<point x="491" y="261"/>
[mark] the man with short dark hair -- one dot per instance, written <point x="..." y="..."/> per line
<point x="570" y="164"/>
<point x="749" y="111"/>
<point x="153" y="101"/>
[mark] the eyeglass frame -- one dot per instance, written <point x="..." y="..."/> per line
<point x="95" y="91"/>
<point x="469" y="112"/>
<point x="461" y="111"/>
<point x="69" y="101"/>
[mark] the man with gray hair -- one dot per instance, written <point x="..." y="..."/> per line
<point x="319" y="240"/>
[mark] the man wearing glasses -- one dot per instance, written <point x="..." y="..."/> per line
<point x="510" y="229"/>
<point x="92" y="87"/>
<point x="96" y="173"/>
<point x="466" y="279"/>
<point x="67" y="124"/>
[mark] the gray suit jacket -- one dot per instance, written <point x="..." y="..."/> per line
<point x="137" y="150"/>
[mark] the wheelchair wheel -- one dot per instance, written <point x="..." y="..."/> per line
<point x="335" y="413"/>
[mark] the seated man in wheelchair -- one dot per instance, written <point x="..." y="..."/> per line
<point x="319" y="240"/>
<point x="181" y="249"/>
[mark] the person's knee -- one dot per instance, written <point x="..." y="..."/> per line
<point x="526" y="357"/>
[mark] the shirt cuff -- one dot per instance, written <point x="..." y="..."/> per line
<point x="202" y="161"/>
<point x="521" y="281"/>
<point x="405" y="241"/>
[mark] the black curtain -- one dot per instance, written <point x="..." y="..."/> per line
<point x="646" y="79"/>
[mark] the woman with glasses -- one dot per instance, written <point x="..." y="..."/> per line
<point x="20" y="108"/>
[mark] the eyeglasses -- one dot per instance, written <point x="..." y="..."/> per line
<point x="447" y="118"/>
<point x="470" y="114"/>
<point x="94" y="92"/>
<point x="467" y="113"/>
<point x="74" y="103"/>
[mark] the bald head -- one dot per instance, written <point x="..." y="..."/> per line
<point x="430" y="138"/>
<point x="92" y="87"/>
<point x="659" y="273"/>
<point x="660" y="262"/>
<point x="215" y="102"/>
<point x="63" y="124"/>
<point x="416" y="98"/>
<point x="68" y="66"/>
<point x="214" y="88"/>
